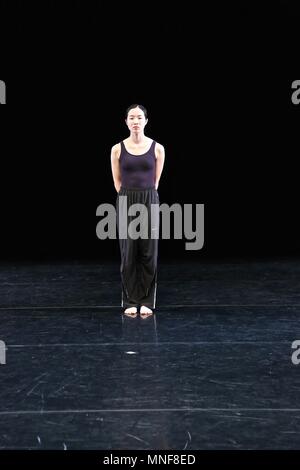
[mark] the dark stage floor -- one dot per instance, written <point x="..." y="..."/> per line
<point x="211" y="369"/>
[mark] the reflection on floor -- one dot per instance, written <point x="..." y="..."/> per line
<point x="211" y="369"/>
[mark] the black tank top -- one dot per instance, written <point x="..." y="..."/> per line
<point x="137" y="171"/>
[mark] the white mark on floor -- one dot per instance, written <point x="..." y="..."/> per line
<point x="39" y="382"/>
<point x="189" y="440"/>
<point x="137" y="438"/>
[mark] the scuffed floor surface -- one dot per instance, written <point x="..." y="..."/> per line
<point x="212" y="369"/>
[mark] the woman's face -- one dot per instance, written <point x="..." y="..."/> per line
<point x="136" y="120"/>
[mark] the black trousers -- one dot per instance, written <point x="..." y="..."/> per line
<point x="138" y="233"/>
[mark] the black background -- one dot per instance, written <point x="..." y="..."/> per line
<point x="216" y="80"/>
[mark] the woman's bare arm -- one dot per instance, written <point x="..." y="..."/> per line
<point x="115" y="166"/>
<point x="160" y="160"/>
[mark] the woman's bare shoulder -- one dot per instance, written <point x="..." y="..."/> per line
<point x="159" y="146"/>
<point x="159" y="149"/>
<point x="116" y="150"/>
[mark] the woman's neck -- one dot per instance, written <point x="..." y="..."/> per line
<point x="137" y="138"/>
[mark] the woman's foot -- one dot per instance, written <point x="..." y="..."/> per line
<point x="131" y="312"/>
<point x="145" y="311"/>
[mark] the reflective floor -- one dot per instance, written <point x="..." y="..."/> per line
<point x="211" y="369"/>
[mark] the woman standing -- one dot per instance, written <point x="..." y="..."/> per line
<point x="137" y="163"/>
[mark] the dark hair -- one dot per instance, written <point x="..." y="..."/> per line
<point x="132" y="106"/>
